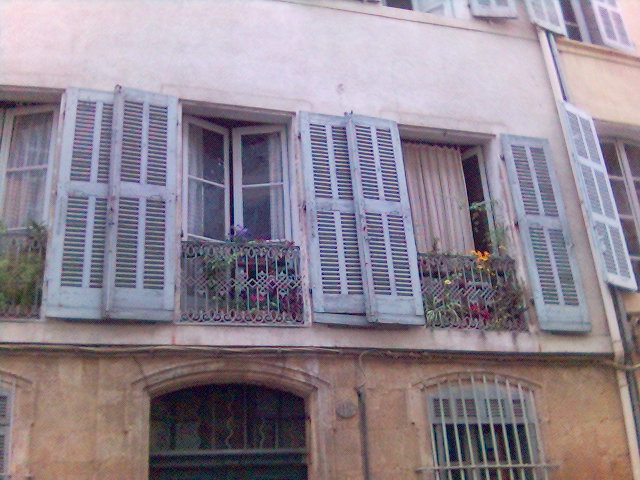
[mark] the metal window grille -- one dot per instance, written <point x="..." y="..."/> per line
<point x="484" y="427"/>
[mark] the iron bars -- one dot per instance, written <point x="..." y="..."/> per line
<point x="248" y="283"/>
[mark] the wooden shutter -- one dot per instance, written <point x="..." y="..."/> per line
<point x="611" y="27"/>
<point x="598" y="198"/>
<point x="5" y="430"/>
<point x="141" y="239"/>
<point x="547" y="14"/>
<point x="553" y="270"/>
<point x="336" y="271"/>
<point x="493" y="8"/>
<point x="76" y="250"/>
<point x="383" y="218"/>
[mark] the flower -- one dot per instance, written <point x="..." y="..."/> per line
<point x="447" y="282"/>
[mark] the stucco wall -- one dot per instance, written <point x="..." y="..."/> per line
<point x="82" y="416"/>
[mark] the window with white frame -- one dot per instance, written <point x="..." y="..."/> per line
<point x="622" y="158"/>
<point x="26" y="150"/>
<point x="484" y="427"/>
<point x="438" y="7"/>
<point x="596" y="21"/>
<point x="236" y="180"/>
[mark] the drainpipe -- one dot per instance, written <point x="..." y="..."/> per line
<point x="560" y="93"/>
<point x="364" y="428"/>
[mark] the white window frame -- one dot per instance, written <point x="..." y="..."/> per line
<point x="581" y="21"/>
<point x="5" y="147"/>
<point x="423" y="6"/>
<point x="628" y="179"/>
<point x="186" y="176"/>
<point x="238" y="185"/>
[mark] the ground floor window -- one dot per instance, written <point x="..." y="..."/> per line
<point x="230" y="432"/>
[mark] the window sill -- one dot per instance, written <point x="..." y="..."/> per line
<point x="566" y="45"/>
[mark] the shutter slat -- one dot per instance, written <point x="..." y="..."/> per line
<point x="612" y="254"/>
<point x="5" y="429"/>
<point x="547" y="14"/>
<point x="387" y="244"/>
<point x="493" y="8"/>
<point x="75" y="262"/>
<point x="553" y="268"/>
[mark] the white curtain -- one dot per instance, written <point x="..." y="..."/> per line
<point x="438" y="197"/>
<point x="26" y="171"/>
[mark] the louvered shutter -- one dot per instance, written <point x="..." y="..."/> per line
<point x="611" y="27"/>
<point x="141" y="240"/>
<point x="598" y="198"/>
<point x="553" y="269"/>
<point x="383" y="218"/>
<point x="547" y="14"/>
<point x="5" y="427"/>
<point x="493" y="8"/>
<point x="76" y="254"/>
<point x="336" y="271"/>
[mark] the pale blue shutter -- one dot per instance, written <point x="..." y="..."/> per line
<point x="611" y="27"/>
<point x="5" y="430"/>
<point x="598" y="198"/>
<point x="547" y="14"/>
<point x="336" y="275"/>
<point x="76" y="254"/>
<point x="383" y="217"/>
<point x="141" y="239"/>
<point x="552" y="265"/>
<point x="493" y="8"/>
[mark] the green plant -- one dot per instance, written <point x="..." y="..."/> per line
<point x="22" y="269"/>
<point x="491" y="231"/>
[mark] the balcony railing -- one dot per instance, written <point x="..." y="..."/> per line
<point x="241" y="283"/>
<point x="471" y="292"/>
<point x="21" y="274"/>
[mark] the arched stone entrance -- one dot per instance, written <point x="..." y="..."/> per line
<point x="227" y="432"/>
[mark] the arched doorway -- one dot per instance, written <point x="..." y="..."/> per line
<point x="227" y="432"/>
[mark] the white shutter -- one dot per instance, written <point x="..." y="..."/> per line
<point x="547" y="14"/>
<point x="141" y="238"/>
<point x="553" y="268"/>
<point x="336" y="271"/>
<point x="598" y="198"/>
<point x="493" y="8"/>
<point x="383" y="218"/>
<point x="611" y="28"/>
<point x="76" y="252"/>
<point x="5" y="430"/>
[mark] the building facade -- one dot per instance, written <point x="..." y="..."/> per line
<point x="312" y="239"/>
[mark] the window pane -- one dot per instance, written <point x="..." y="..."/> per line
<point x="263" y="212"/>
<point x="261" y="158"/>
<point x="633" y="155"/>
<point x="206" y="154"/>
<point x="611" y="158"/>
<point x="629" y="228"/>
<point x="406" y="4"/>
<point x="30" y="140"/>
<point x="206" y="210"/>
<point x="24" y="197"/>
<point x="620" y="194"/>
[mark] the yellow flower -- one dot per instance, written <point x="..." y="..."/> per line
<point x="447" y="282"/>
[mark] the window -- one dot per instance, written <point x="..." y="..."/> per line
<point x="596" y="21"/>
<point x="5" y="430"/>
<point x="25" y="155"/>
<point x="228" y="431"/>
<point x="622" y="158"/>
<point x="236" y="176"/>
<point x="484" y="427"/>
<point x="449" y="197"/>
<point x="439" y="7"/>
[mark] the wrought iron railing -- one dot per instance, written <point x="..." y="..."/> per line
<point x="241" y="283"/>
<point x="471" y="292"/>
<point x="21" y="273"/>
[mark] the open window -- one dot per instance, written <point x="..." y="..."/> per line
<point x="449" y="195"/>
<point x="236" y="179"/>
<point x="438" y="7"/>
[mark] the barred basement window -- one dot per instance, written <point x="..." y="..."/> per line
<point x="484" y="427"/>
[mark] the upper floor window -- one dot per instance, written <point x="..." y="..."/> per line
<point x="236" y="177"/>
<point x="439" y="7"/>
<point x="622" y="158"/>
<point x="484" y="427"/>
<point x="596" y="21"/>
<point x="25" y="156"/>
